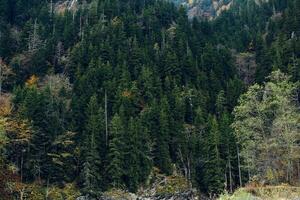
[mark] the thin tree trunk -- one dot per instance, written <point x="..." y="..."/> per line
<point x="22" y="161"/>
<point x="22" y="191"/>
<point x="230" y="175"/>
<point x="287" y="173"/>
<point x="80" y="26"/>
<point x="189" y="171"/>
<point x="226" y="181"/>
<point x="239" y="165"/>
<point x="183" y="164"/>
<point x="249" y="174"/>
<point x="51" y="8"/>
<point x="298" y="171"/>
<point x="106" y="121"/>
<point x="47" y="189"/>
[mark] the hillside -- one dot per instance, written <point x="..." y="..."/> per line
<point x="205" y="9"/>
<point x="122" y="96"/>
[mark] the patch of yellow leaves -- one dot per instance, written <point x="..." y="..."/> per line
<point x="32" y="81"/>
<point x="127" y="94"/>
<point x="5" y="105"/>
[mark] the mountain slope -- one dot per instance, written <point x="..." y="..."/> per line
<point x="207" y="8"/>
<point x="98" y="95"/>
<point x="210" y="9"/>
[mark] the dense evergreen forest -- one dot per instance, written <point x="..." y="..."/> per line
<point x="97" y="94"/>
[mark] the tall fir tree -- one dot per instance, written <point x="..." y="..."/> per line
<point x="94" y="134"/>
<point x="115" y="168"/>
<point x="213" y="176"/>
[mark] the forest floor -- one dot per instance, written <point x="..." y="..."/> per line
<point x="281" y="192"/>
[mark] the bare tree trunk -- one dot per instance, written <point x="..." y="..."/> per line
<point x="106" y="120"/>
<point x="183" y="164"/>
<point x="39" y="176"/>
<point x="51" y="8"/>
<point x="287" y="173"/>
<point x="239" y="165"/>
<point x="249" y="174"/>
<point x="80" y="27"/>
<point x="230" y="174"/>
<point x="225" y="175"/>
<point x="189" y="171"/>
<point x="22" y="161"/>
<point x="298" y="170"/>
<point x="47" y="189"/>
<point x="35" y="37"/>
<point x="22" y="191"/>
<point x="34" y="40"/>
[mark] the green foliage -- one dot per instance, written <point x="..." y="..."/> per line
<point x="106" y="90"/>
<point x="267" y="192"/>
<point x="238" y="195"/>
<point x="3" y="137"/>
<point x="267" y="124"/>
<point x="115" y="168"/>
<point x="214" y="172"/>
<point x="94" y="141"/>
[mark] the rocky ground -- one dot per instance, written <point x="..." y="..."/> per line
<point x="158" y="187"/>
<point x="187" y="195"/>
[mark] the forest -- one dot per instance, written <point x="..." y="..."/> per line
<point x="96" y="95"/>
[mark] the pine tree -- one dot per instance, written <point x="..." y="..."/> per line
<point x="115" y="168"/>
<point x="213" y="177"/>
<point x="220" y="103"/>
<point x="162" y="157"/>
<point x="143" y="151"/>
<point x="159" y="75"/>
<point x="228" y="149"/>
<point x="137" y="155"/>
<point x="94" y="135"/>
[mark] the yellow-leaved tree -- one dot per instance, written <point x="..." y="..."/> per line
<point x="267" y="125"/>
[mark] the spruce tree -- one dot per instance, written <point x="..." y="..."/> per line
<point x="94" y="131"/>
<point x="213" y="176"/>
<point x="162" y="158"/>
<point x="131" y="156"/>
<point x="115" y="168"/>
<point x="228" y="150"/>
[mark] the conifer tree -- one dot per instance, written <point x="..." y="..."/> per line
<point x="94" y="131"/>
<point x="115" y="168"/>
<point x="213" y="176"/>
<point x="228" y="150"/>
<point x="162" y="158"/>
<point x="131" y="155"/>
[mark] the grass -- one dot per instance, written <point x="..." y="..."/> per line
<point x="238" y="195"/>
<point x="281" y="192"/>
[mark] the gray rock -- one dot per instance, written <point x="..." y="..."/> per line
<point x="82" y="198"/>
